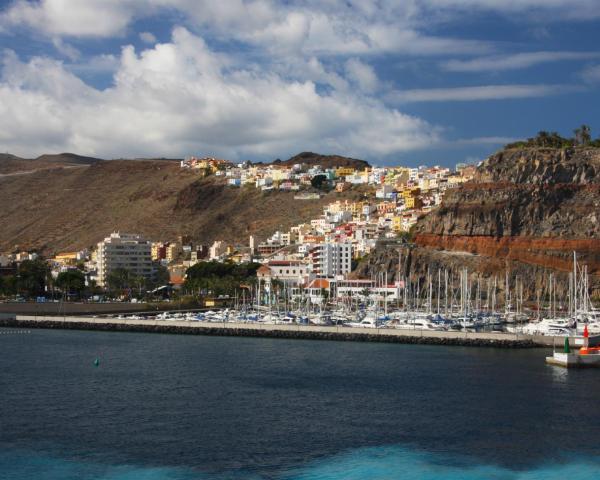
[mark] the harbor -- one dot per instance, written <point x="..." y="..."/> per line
<point x="456" y="311"/>
<point x="290" y="331"/>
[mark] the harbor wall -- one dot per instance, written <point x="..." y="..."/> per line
<point x="308" y="332"/>
<point x="75" y="308"/>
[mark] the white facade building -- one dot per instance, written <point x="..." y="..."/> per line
<point x="217" y="249"/>
<point x="291" y="272"/>
<point x="127" y="251"/>
<point x="331" y="259"/>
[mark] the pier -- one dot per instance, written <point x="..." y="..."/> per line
<point x="307" y="332"/>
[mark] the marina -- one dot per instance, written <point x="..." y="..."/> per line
<point x="290" y="331"/>
<point x="444" y="301"/>
<point x="451" y="309"/>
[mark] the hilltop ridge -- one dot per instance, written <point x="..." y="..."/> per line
<point x="326" y="161"/>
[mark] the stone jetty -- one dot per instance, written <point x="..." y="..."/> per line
<point x="305" y="332"/>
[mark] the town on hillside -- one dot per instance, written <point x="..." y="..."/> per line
<point x="318" y="254"/>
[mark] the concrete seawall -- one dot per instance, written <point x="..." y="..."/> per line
<point x="339" y="333"/>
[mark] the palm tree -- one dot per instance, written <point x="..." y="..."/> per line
<point x="543" y="138"/>
<point x="583" y="135"/>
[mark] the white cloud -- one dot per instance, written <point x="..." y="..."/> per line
<point x="312" y="27"/>
<point x="549" y="10"/>
<point x="591" y="74"/>
<point x="484" y="92"/>
<point x="315" y="29"/>
<point x="180" y="97"/>
<point x="362" y="74"/>
<point x="148" y="37"/>
<point x="93" y="18"/>
<point x="515" y="61"/>
<point x="65" y="49"/>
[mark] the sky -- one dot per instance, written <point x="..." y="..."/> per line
<point x="392" y="82"/>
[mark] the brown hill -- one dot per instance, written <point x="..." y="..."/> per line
<point x="67" y="159"/>
<point x="11" y="164"/>
<point x="326" y="161"/>
<point x="70" y="208"/>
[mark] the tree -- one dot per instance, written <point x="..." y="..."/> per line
<point x="8" y="285"/>
<point x="162" y="276"/>
<point x="220" y="278"/>
<point x="319" y="182"/>
<point x="33" y="277"/>
<point x="583" y="135"/>
<point x="543" y="138"/>
<point x="71" y="282"/>
<point x="120" y="280"/>
<point x="277" y="287"/>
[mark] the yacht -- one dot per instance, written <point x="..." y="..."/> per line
<point x="550" y="326"/>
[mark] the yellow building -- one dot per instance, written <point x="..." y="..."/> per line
<point x="344" y="171"/>
<point x="172" y="251"/>
<point x="411" y="192"/>
<point x="66" y="258"/>
<point x="356" y="208"/>
<point x="413" y="202"/>
<point x="280" y="174"/>
<point x="156" y="249"/>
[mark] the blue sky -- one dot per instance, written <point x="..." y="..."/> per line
<point x="411" y="82"/>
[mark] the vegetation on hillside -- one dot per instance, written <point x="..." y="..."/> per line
<point x="582" y="137"/>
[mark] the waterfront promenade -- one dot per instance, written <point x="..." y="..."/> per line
<point x="313" y="332"/>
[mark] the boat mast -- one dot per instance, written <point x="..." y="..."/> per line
<point x="446" y="292"/>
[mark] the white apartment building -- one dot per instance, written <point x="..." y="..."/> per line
<point x="217" y="249"/>
<point x="331" y="259"/>
<point x="124" y="250"/>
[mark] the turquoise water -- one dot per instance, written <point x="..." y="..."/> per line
<point x="181" y="407"/>
<point x="376" y="463"/>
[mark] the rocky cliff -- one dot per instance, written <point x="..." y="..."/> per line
<point x="526" y="211"/>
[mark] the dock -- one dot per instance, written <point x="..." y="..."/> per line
<point x="307" y="332"/>
<point x="587" y="355"/>
<point x="573" y="360"/>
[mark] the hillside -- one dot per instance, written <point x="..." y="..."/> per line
<point x="69" y="208"/>
<point x="11" y="164"/>
<point x="326" y="161"/>
<point x="527" y="210"/>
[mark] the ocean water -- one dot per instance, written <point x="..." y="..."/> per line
<point x="183" y="407"/>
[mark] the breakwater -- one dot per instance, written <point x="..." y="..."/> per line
<point x="312" y="332"/>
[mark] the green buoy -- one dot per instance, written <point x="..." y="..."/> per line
<point x="567" y="348"/>
<point x="96" y="362"/>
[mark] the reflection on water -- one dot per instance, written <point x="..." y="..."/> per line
<point x="559" y="374"/>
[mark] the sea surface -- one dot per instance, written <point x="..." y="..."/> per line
<point x="190" y="407"/>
